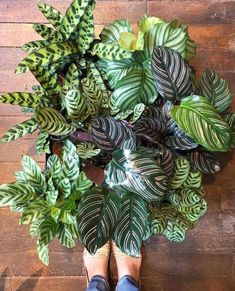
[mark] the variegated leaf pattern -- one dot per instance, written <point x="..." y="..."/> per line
<point x="32" y="46"/>
<point x="72" y="17"/>
<point x="19" y="130"/>
<point x="87" y="150"/>
<point x="34" y="228"/>
<point x="137" y="112"/>
<point x="136" y="87"/>
<point x="46" y="79"/>
<point x="131" y="228"/>
<point x="110" y="51"/>
<point x="98" y="214"/>
<point x="34" y="175"/>
<point x="65" y="236"/>
<point x="15" y="193"/>
<point x="83" y="184"/>
<point x="150" y="127"/>
<point x="21" y="99"/>
<point x="199" y="119"/>
<point x="181" y="172"/>
<point x="74" y="103"/>
<point x="110" y="134"/>
<point x="54" y="168"/>
<point x="194" y="179"/>
<point x="230" y="119"/>
<point x="43" y="143"/>
<point x="70" y="169"/>
<point x="72" y="76"/>
<point x="216" y="90"/>
<point x="53" y="122"/>
<point x="116" y="70"/>
<point x="86" y="29"/>
<point x="47" y="230"/>
<point x="53" y="15"/>
<point x="164" y="35"/>
<point x="45" y="55"/>
<point x="48" y="33"/>
<point x="166" y="160"/>
<point x="190" y="48"/>
<point x="64" y="187"/>
<point x="111" y="33"/>
<point x="166" y="117"/>
<point x="171" y="74"/>
<point x="43" y="253"/>
<point x="140" y="174"/>
<point x="204" y="161"/>
<point x="180" y="141"/>
<point x="36" y="210"/>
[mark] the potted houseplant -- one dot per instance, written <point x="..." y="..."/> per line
<point x="129" y="104"/>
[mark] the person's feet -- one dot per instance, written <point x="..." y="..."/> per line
<point x="97" y="264"/>
<point x="126" y="265"/>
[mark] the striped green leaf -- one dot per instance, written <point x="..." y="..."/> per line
<point x="86" y="29"/>
<point x="34" y="228"/>
<point x="51" y="196"/>
<point x="109" y="134"/>
<point x="74" y="103"/>
<point x="70" y="169"/>
<point x="181" y="172"/>
<point x="73" y="17"/>
<point x="48" y="33"/>
<point x="111" y="33"/>
<point x="194" y="179"/>
<point x="68" y="217"/>
<point x="87" y="150"/>
<point x="65" y="236"/>
<point x="146" y="22"/>
<point x="72" y="77"/>
<point x="136" y="87"/>
<point x="21" y="177"/>
<point x="91" y="91"/>
<point x="204" y="161"/>
<point x="164" y="35"/>
<point x="98" y="215"/>
<point x="47" y="80"/>
<point x="34" y="175"/>
<point x="43" y="253"/>
<point x="43" y="143"/>
<point x="83" y="184"/>
<point x="116" y="70"/>
<point x="73" y="228"/>
<point x="171" y="74"/>
<point x="19" y="130"/>
<point x="216" y="90"/>
<point x="53" y="122"/>
<point x="110" y="51"/>
<point x="36" y="210"/>
<point x="32" y="46"/>
<point x="230" y="119"/>
<point x="140" y="174"/>
<point x="47" y="230"/>
<point x="54" y="169"/>
<point x="190" y="49"/>
<point x="11" y="194"/>
<point x="199" y="119"/>
<point x="21" y="99"/>
<point x="132" y="224"/>
<point x="45" y="55"/>
<point x="64" y="187"/>
<point x="53" y="15"/>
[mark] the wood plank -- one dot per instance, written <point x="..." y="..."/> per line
<point x="106" y="11"/>
<point x="11" y="110"/>
<point x="201" y="12"/>
<point x="67" y="283"/>
<point x="12" y="152"/>
<point x="8" y="169"/>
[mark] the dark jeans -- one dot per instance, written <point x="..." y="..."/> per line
<point x="99" y="283"/>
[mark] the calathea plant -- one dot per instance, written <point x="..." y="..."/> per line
<point x="130" y="104"/>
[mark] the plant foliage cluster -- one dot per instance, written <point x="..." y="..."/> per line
<point x="129" y="103"/>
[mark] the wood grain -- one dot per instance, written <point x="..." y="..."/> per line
<point x="206" y="259"/>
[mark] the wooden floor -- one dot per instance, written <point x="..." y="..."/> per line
<point x="206" y="260"/>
